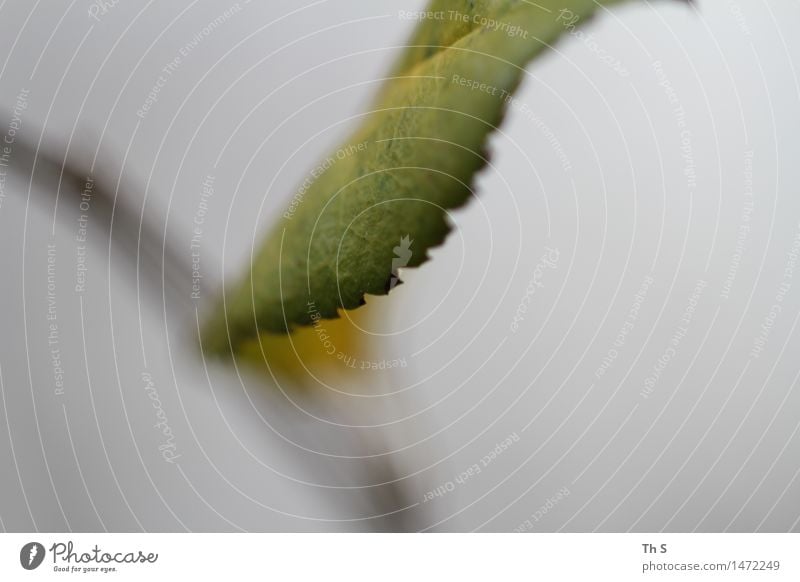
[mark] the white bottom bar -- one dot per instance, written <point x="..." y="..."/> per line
<point x="400" y="557"/>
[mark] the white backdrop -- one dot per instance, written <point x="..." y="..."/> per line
<point x="665" y="189"/>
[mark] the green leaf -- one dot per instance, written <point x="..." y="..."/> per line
<point x="381" y="201"/>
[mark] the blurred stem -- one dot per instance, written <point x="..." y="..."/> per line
<point x="151" y="250"/>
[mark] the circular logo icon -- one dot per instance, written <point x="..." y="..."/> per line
<point x="31" y="555"/>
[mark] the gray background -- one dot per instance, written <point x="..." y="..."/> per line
<point x="714" y="447"/>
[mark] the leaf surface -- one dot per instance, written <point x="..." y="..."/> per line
<point x="382" y="200"/>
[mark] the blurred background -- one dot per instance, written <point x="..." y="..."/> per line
<point x="606" y="342"/>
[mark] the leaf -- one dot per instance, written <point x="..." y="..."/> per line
<point x="382" y="199"/>
<point x="325" y="354"/>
